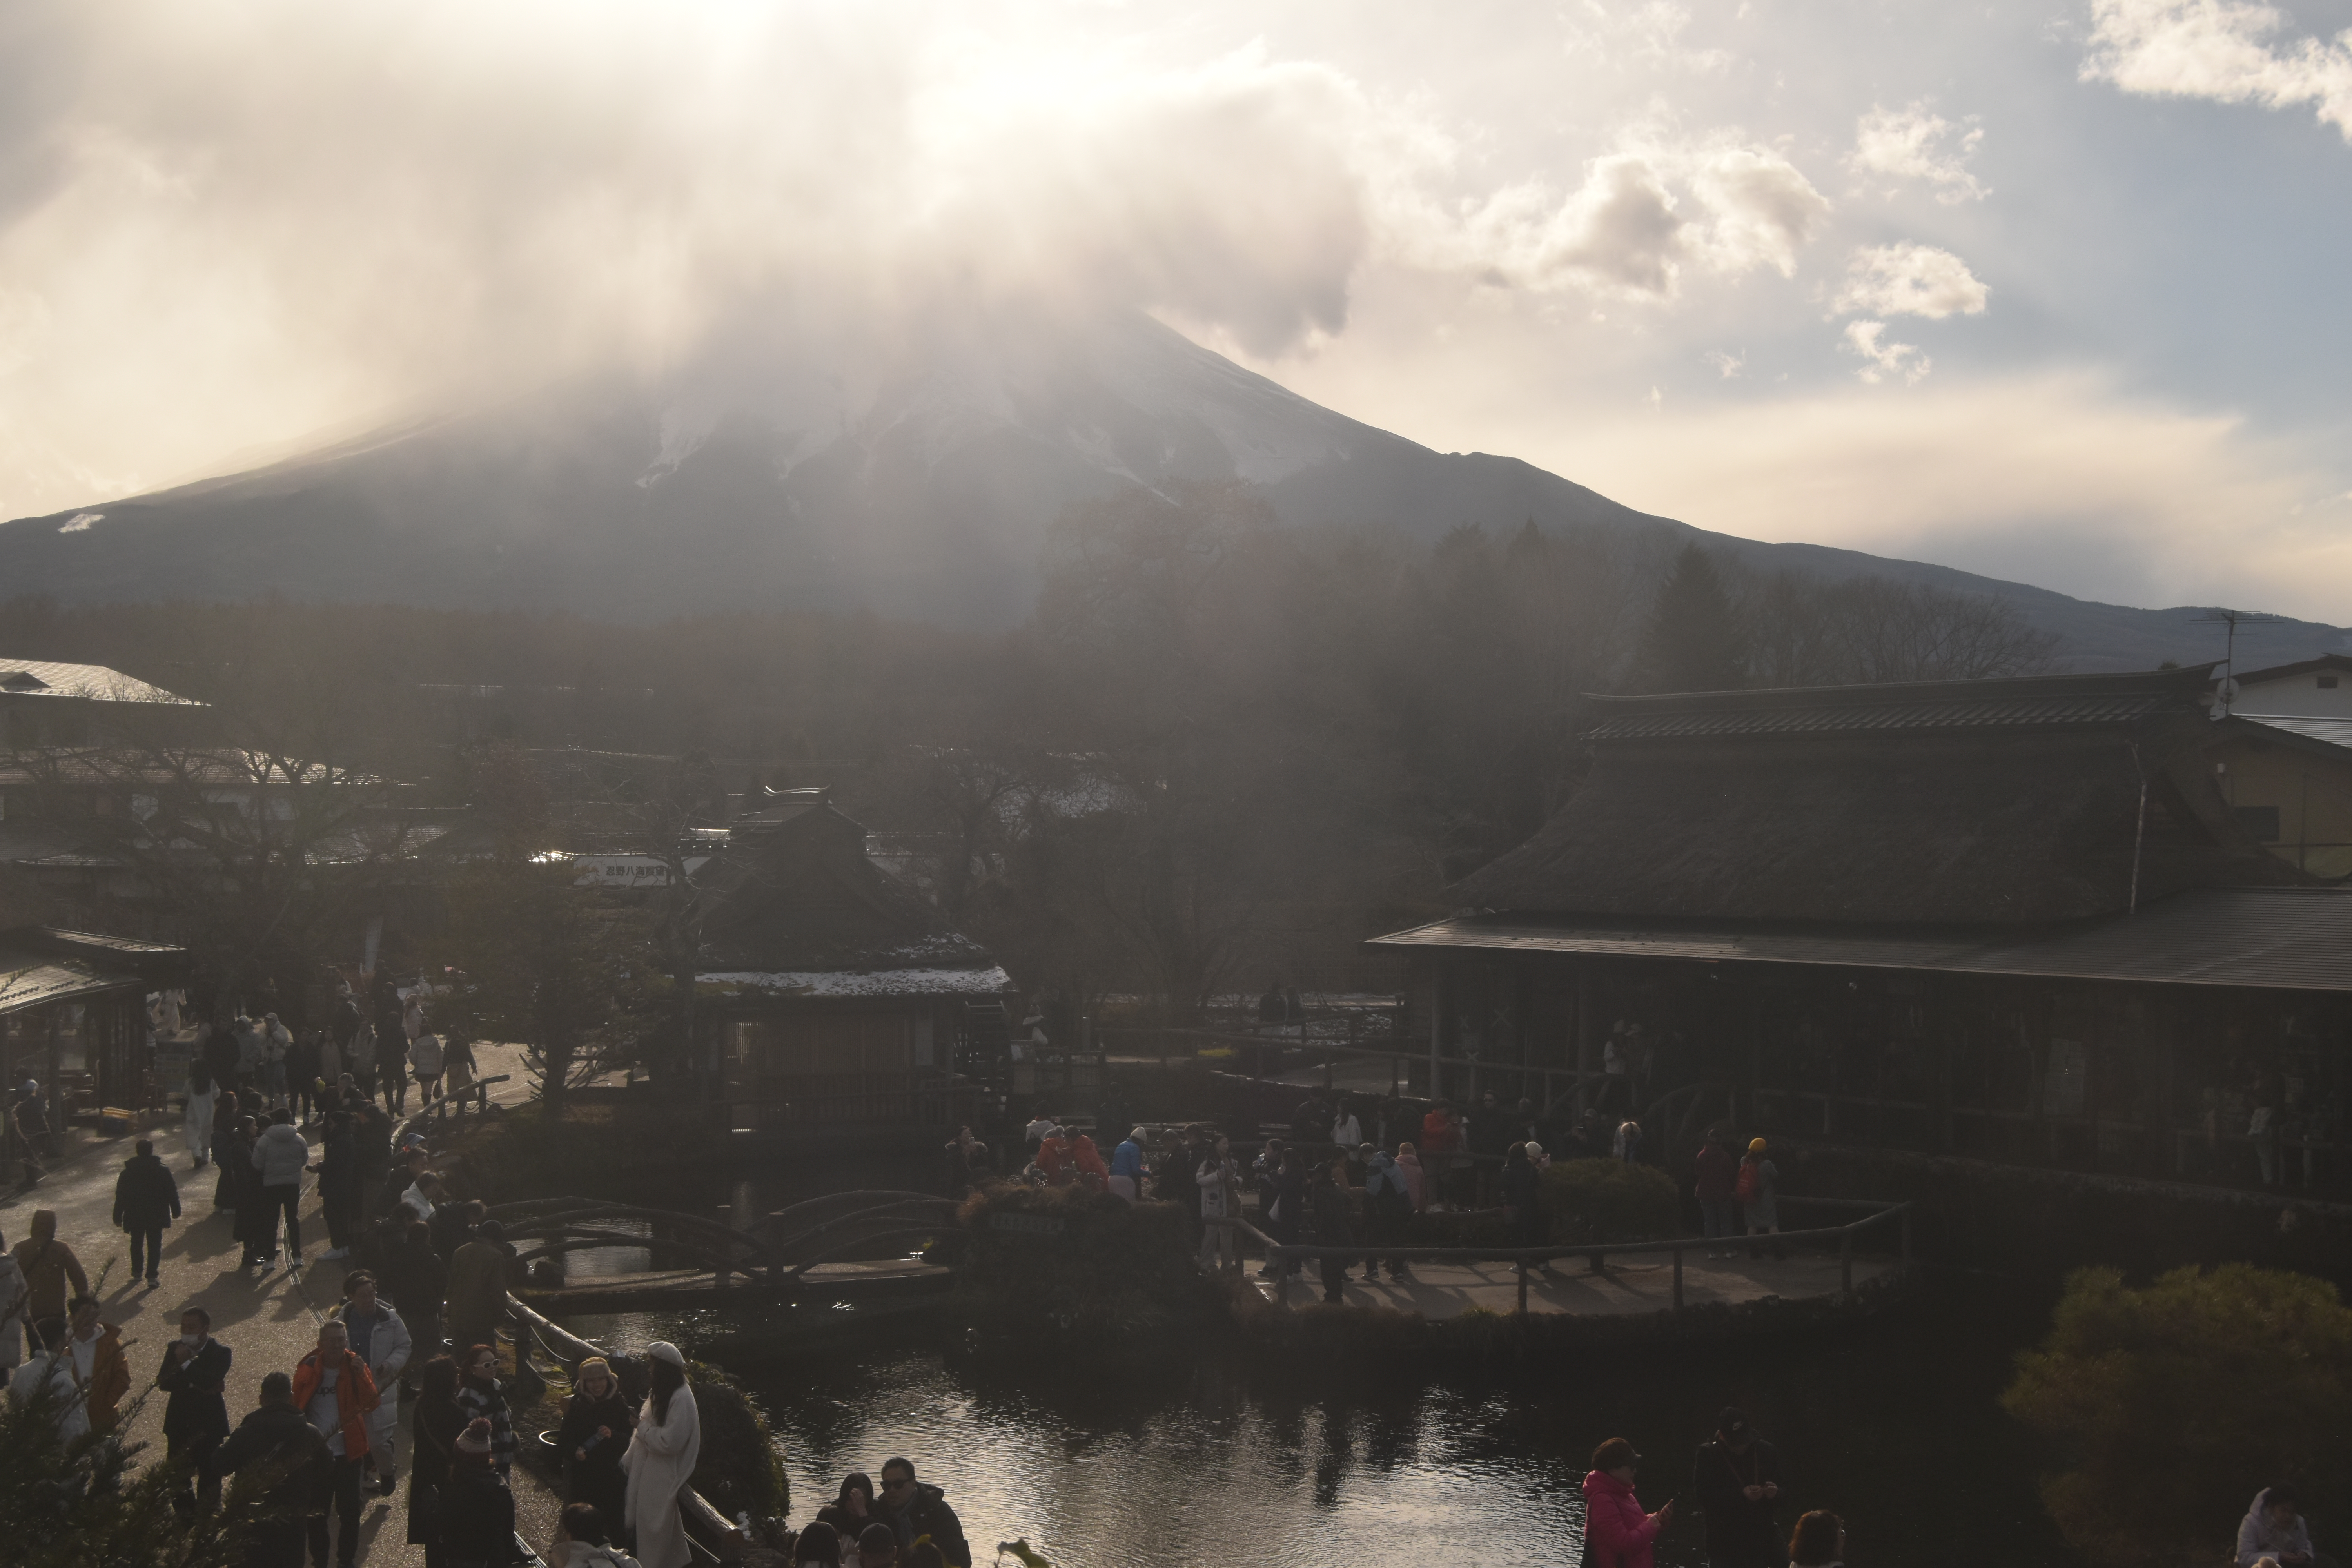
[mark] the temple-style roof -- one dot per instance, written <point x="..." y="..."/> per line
<point x="1971" y="802"/>
<point x="792" y="892"/>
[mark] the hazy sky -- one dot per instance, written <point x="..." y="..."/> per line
<point x="2053" y="291"/>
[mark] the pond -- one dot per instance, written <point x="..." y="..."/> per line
<point x="1197" y="1458"/>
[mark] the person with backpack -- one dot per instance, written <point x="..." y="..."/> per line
<point x="1388" y="1208"/>
<point x="1759" y="1192"/>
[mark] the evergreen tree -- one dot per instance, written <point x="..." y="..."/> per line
<point x="1694" y="641"/>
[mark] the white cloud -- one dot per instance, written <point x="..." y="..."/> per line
<point x="1881" y="360"/>
<point x="1909" y="280"/>
<point x="2221" y="50"/>
<point x="1645" y="213"/>
<point x="1914" y="143"/>
<point x="1728" y="366"/>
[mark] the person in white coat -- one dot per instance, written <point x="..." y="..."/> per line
<point x="203" y="1095"/>
<point x="381" y="1338"/>
<point x="661" y="1461"/>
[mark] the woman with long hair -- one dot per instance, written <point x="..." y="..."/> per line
<point x="661" y="1459"/>
<point x="850" y="1511"/>
<point x="819" y="1544"/>
<point x="431" y="1443"/>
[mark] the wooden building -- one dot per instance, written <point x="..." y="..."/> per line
<point x="830" y="994"/>
<point x="2017" y="919"/>
<point x="73" y="1018"/>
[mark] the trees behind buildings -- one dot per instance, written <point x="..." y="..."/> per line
<point x="1219" y="751"/>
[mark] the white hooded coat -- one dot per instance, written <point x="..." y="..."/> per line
<point x="660" y="1460"/>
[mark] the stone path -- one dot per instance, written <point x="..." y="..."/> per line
<point x="268" y="1321"/>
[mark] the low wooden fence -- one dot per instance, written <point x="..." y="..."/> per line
<point x="1280" y="1254"/>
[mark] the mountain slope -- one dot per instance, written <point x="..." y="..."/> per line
<point x="918" y="482"/>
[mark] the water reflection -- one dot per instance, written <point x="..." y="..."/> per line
<point x="1196" y="1457"/>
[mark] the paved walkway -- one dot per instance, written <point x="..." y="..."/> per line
<point x="1640" y="1283"/>
<point x="268" y="1321"/>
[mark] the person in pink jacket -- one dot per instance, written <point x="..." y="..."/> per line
<point x="1617" y="1533"/>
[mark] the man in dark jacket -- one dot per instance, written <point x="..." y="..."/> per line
<point x="1737" y="1482"/>
<point x="340" y="1192"/>
<point x="1333" y="1223"/>
<point x="146" y="1199"/>
<point x="912" y="1510"/>
<point x="195" y="1417"/>
<point x="277" y="1458"/>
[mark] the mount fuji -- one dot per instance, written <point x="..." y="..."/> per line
<point x="918" y="481"/>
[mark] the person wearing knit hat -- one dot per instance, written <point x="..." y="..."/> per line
<point x="661" y="1459"/>
<point x="477" y="1511"/>
<point x="598" y="1422"/>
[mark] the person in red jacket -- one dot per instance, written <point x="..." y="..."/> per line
<point x="335" y="1390"/>
<point x="1617" y="1533"/>
<point x="1716" y="1190"/>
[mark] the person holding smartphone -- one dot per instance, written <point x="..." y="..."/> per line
<point x="1617" y="1533"/>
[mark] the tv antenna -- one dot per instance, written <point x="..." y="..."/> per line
<point x="2226" y="692"/>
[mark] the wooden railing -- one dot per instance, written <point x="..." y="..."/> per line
<point x="1279" y="1255"/>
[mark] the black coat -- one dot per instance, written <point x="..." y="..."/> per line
<point x="599" y="1477"/>
<point x="1333" y="1214"/>
<point x="339" y="1166"/>
<point x="195" y="1408"/>
<point x="435" y="1429"/>
<point x="220" y="1056"/>
<point x="930" y="1515"/>
<point x="477" y="1513"/>
<point x="1740" y="1533"/>
<point x="278" y="1454"/>
<point x="145" y="1195"/>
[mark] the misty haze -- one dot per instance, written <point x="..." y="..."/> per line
<point x="1116" y="785"/>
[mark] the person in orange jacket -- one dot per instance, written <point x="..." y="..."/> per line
<point x="333" y="1388"/>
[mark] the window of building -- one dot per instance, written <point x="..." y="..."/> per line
<point x="2327" y="683"/>
<point x="2261" y="821"/>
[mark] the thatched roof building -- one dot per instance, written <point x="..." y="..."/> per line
<point x="2021" y="920"/>
<point x="1977" y="802"/>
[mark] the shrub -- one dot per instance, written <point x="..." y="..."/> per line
<point x="1609" y="1200"/>
<point x="2169" y="1407"/>
<point x="1079" y="1262"/>
<point x="740" y="1470"/>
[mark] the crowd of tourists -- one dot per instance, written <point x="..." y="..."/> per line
<point x="904" y="1523"/>
<point x="323" y="1438"/>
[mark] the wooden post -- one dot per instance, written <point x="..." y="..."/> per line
<point x="1846" y="1262"/>
<point x="1584" y="1052"/>
<point x="1523" y="1286"/>
<point x="1678" y="1279"/>
<point x="1436" y="1026"/>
